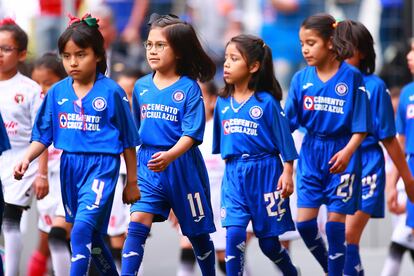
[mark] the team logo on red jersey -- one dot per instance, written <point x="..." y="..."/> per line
<point x="143" y="111"/>
<point x="341" y="89"/>
<point x="178" y="96"/>
<point x="410" y="111"/>
<point x="99" y="103"/>
<point x="308" y="103"/>
<point x="63" y="120"/>
<point x="256" y="112"/>
<point x="19" y="98"/>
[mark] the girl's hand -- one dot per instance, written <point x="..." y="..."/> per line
<point x="131" y="192"/>
<point x="20" y="169"/>
<point x="41" y="186"/>
<point x="340" y="161"/>
<point x="159" y="161"/>
<point x="285" y="184"/>
<point x="392" y="199"/>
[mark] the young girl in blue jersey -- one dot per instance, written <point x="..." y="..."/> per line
<point x="47" y="70"/>
<point x="250" y="131"/>
<point x="329" y="100"/>
<point x="405" y="129"/>
<point x="169" y="113"/>
<point x="87" y="115"/>
<point x="372" y="156"/>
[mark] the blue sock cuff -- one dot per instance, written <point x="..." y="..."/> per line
<point x="138" y="229"/>
<point x="352" y="248"/>
<point x="307" y="224"/>
<point x="332" y="227"/>
<point x="236" y="231"/>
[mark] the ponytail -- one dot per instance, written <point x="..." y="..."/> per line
<point x="253" y="49"/>
<point x="331" y="29"/>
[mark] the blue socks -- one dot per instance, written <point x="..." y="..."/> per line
<point x="205" y="253"/>
<point x="235" y="247"/>
<point x="102" y="257"/>
<point x="335" y="232"/>
<point x="353" y="265"/>
<point x="314" y="241"/>
<point x="273" y="250"/>
<point x="84" y="241"/>
<point x="81" y="240"/>
<point x="133" y="250"/>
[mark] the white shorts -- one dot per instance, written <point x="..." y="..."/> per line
<point x="17" y="192"/>
<point x="119" y="219"/>
<point x="218" y="237"/>
<point x="402" y="234"/>
<point x="51" y="205"/>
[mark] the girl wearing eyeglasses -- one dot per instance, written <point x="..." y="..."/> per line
<point x="20" y="98"/>
<point x="169" y="113"/>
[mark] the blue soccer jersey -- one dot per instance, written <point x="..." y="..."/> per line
<point x="258" y="127"/>
<point x="174" y="111"/>
<point x="405" y="126"/>
<point x="383" y="121"/>
<point x="405" y="117"/>
<point x="101" y="122"/>
<point x="337" y="107"/>
<point x="373" y="164"/>
<point x="4" y="139"/>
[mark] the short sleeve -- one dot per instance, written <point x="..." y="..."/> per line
<point x="385" y="122"/>
<point x="401" y="114"/>
<point x="216" y="129"/>
<point x="281" y="133"/>
<point x="123" y="120"/>
<point x="361" y="116"/>
<point x="193" y="120"/>
<point x="42" y="131"/>
<point x="135" y="107"/>
<point x="292" y="104"/>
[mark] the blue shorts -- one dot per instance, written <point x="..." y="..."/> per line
<point x="373" y="181"/>
<point x="88" y="184"/>
<point x="249" y="193"/>
<point x="317" y="186"/>
<point x="183" y="186"/>
<point x="410" y="204"/>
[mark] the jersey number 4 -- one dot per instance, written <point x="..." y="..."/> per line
<point x="274" y="198"/>
<point x="97" y="187"/>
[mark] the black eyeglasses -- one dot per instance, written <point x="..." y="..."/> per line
<point x="7" y="49"/>
<point x="158" y="46"/>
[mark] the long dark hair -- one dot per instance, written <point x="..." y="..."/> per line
<point x="192" y="60"/>
<point x="85" y="36"/>
<point x="19" y="36"/>
<point x="329" y="29"/>
<point x="52" y="62"/>
<point x="364" y="43"/>
<point x="253" y="49"/>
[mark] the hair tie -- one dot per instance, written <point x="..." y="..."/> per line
<point x="7" y="21"/>
<point x="336" y="23"/>
<point x="264" y="45"/>
<point x="87" y="18"/>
